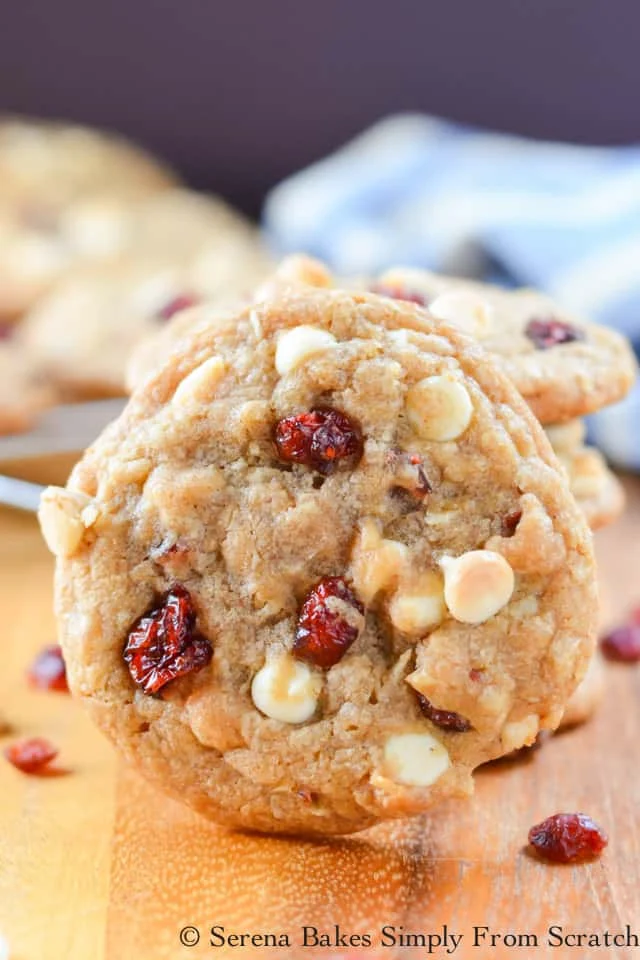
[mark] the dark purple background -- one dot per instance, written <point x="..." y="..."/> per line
<point x="239" y="93"/>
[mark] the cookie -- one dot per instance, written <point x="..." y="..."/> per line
<point x="588" y="367"/>
<point x="323" y="566"/>
<point x="179" y="249"/>
<point x="598" y="491"/>
<point x="152" y="352"/>
<point x="564" y="367"/>
<point x="81" y="333"/>
<point x="46" y="169"/>
<point x="587" y="697"/>
<point x="23" y="395"/>
<point x="57" y="163"/>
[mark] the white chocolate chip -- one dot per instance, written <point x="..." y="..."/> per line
<point x="465" y="310"/>
<point x="376" y="562"/>
<point x="439" y="408"/>
<point x="415" y="759"/>
<point x="416" y="608"/>
<point x="297" y="345"/>
<point x="566" y="437"/>
<point x="201" y="384"/>
<point x="61" y="519"/>
<point x="299" y="268"/>
<point x="520" y="733"/>
<point x="286" y="689"/>
<point x="476" y="585"/>
<point x="294" y="271"/>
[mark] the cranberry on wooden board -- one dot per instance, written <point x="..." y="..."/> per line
<point x="547" y="332"/>
<point x="622" y="644"/>
<point x="568" y="838"/>
<point x="32" y="755"/>
<point x="324" y="634"/>
<point x="164" y="645"/>
<point x="48" y="671"/>
<point x="319" y="439"/>
<point x="445" y="719"/>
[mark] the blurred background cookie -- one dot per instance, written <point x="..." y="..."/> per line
<point x="45" y="168"/>
<point x="175" y="250"/>
<point x="23" y="392"/>
<point x="588" y="696"/>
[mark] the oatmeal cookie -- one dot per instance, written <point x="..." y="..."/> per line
<point x="588" y="695"/>
<point x="575" y="369"/>
<point x="23" y="394"/>
<point x="323" y="566"/>
<point x="178" y="249"/>
<point x="46" y="169"/>
<point x="564" y="366"/>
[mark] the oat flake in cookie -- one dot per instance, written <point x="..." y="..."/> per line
<point x="323" y="566"/>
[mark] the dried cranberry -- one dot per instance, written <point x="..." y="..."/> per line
<point x="319" y="439"/>
<point x="48" y="671"/>
<point x="163" y="644"/>
<point x="409" y="474"/>
<point x="445" y="719"/>
<point x="308" y="796"/>
<point x="400" y="293"/>
<point x="568" y="838"/>
<point x="546" y="332"/>
<point x="181" y="302"/>
<point x="324" y="635"/>
<point x="32" y="755"/>
<point x="622" y="644"/>
<point x="510" y="522"/>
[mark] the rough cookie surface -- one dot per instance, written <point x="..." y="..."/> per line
<point x="388" y="599"/>
<point x="563" y="366"/>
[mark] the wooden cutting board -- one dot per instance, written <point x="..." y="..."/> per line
<point x="95" y="864"/>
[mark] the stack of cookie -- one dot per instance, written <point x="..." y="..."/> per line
<point x="326" y="563"/>
<point x="99" y="244"/>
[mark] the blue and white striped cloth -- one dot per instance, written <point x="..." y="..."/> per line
<point x="416" y="190"/>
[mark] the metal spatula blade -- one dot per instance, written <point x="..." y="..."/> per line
<point x="66" y="429"/>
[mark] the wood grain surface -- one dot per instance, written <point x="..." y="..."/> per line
<point x="96" y="865"/>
